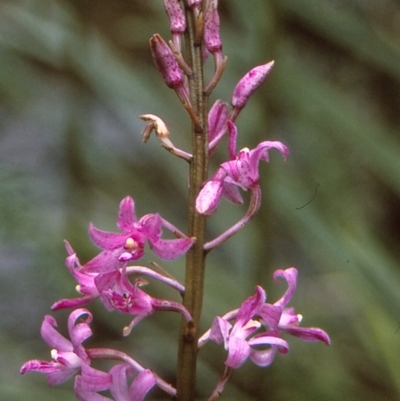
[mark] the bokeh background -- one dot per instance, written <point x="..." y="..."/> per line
<point x="74" y="77"/>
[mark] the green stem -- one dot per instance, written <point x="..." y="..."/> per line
<point x="195" y="259"/>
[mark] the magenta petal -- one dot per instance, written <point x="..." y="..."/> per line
<point x="264" y="357"/>
<point x="119" y="387"/>
<point x="233" y="133"/>
<point x="52" y="337"/>
<point x="107" y="240"/>
<point x="104" y="262"/>
<point x="271" y="315"/>
<point x="151" y="226"/>
<point x="71" y="303"/>
<point x="260" y="152"/>
<point x="142" y="384"/>
<point x="290" y="275"/>
<point x="231" y="192"/>
<point x="217" y="117"/>
<point x="239" y="350"/>
<point x="251" y="306"/>
<point x="309" y="334"/>
<point x="265" y="339"/>
<point x="126" y="214"/>
<point x="91" y="381"/>
<point x="219" y="331"/>
<point x="208" y="199"/>
<point x="171" y="248"/>
<point x="107" y="280"/>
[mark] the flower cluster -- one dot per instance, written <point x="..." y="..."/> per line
<point x="257" y="329"/>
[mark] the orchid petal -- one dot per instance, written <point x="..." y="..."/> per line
<point x="71" y="303"/>
<point x="310" y="334"/>
<point x="209" y="196"/>
<point x="79" y="332"/>
<point x="231" y="192"/>
<point x="119" y="388"/>
<point x="52" y="337"/>
<point x="151" y="226"/>
<point x="290" y="275"/>
<point x="103" y="262"/>
<point x="90" y="382"/>
<point x="105" y="239"/>
<point x="217" y="118"/>
<point x="126" y="214"/>
<point x="271" y="315"/>
<point x="263" y="358"/>
<point x="220" y="331"/>
<point x="239" y="350"/>
<point x="251" y="306"/>
<point x="142" y="384"/>
<point x="171" y="248"/>
<point x="260" y="152"/>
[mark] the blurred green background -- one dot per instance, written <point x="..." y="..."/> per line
<point x="74" y="77"/>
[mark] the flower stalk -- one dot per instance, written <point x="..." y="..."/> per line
<point x="195" y="258"/>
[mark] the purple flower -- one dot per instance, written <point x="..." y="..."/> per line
<point x="86" y="282"/>
<point x="129" y="245"/>
<point x="139" y="387"/>
<point x="238" y="339"/>
<point x="279" y="318"/>
<point x="127" y="297"/>
<point x="67" y="356"/>
<point x="92" y="381"/>
<point x="240" y="172"/>
<point x="241" y="338"/>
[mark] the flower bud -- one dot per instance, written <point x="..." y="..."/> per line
<point x="208" y="199"/>
<point x="248" y="84"/>
<point x="211" y="28"/>
<point x="176" y="16"/>
<point x="166" y="63"/>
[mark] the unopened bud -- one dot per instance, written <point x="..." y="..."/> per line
<point x="248" y="84"/>
<point x="166" y="63"/>
<point x="212" y="39"/>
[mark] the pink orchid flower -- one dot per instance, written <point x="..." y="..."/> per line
<point x="243" y="339"/>
<point x="129" y="245"/>
<point x="68" y="356"/>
